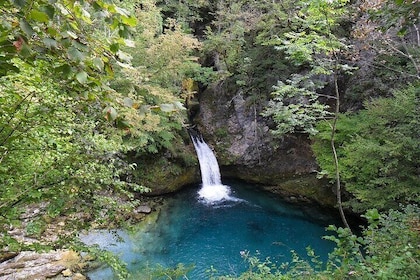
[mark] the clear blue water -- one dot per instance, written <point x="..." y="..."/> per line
<point x="194" y="233"/>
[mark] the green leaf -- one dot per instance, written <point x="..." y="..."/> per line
<point x="82" y="77"/>
<point x="128" y="102"/>
<point x="26" y="27"/>
<point x="25" y="51"/>
<point x="20" y="3"/>
<point x="50" y="43"/>
<point x="65" y="69"/>
<point x="110" y="113"/>
<point x="49" y="10"/>
<point x="98" y="63"/>
<point x="75" y="55"/>
<point x="39" y="16"/>
<point x="130" y="21"/>
<point x="5" y="67"/>
<point x="108" y="69"/>
<point x="52" y="31"/>
<point x="124" y="31"/>
<point x="122" y="123"/>
<point x="114" y="47"/>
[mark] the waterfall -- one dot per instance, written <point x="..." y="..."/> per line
<point x="212" y="189"/>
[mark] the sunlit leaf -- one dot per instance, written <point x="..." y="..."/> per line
<point x="167" y="107"/>
<point x="39" y="16"/>
<point x="86" y="16"/>
<point x="128" y="102"/>
<point x="124" y="65"/>
<point x="110" y="113"/>
<point x="82" y="77"/>
<point x="179" y="105"/>
<point x="130" y="21"/>
<point x="98" y="63"/>
<point x="129" y="43"/>
<point x="124" y="56"/>
<point x="144" y="109"/>
<point x="122" y="11"/>
<point x="71" y="34"/>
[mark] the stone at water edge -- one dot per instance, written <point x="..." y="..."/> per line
<point x="32" y="265"/>
<point x="145" y="209"/>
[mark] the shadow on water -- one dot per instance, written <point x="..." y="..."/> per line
<point x="190" y="231"/>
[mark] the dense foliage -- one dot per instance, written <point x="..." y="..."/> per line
<point x="378" y="151"/>
<point x="82" y="88"/>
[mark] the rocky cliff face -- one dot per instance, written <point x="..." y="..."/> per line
<point x="231" y="123"/>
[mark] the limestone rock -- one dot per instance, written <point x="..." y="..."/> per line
<point x="79" y="276"/>
<point x="144" y="209"/>
<point x="231" y="123"/>
<point x="32" y="265"/>
<point x="240" y="136"/>
<point x="67" y="272"/>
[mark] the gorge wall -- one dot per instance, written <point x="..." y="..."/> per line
<point x="245" y="148"/>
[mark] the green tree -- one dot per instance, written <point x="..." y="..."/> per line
<point x="60" y="32"/>
<point x="312" y="45"/>
<point x="378" y="151"/>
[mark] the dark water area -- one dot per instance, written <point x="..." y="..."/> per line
<point x="192" y="232"/>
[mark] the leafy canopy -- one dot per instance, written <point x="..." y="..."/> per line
<point x="378" y="151"/>
<point x="311" y="45"/>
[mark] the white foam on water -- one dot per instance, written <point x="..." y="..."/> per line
<point x="212" y="193"/>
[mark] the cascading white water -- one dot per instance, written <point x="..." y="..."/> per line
<point x="212" y="189"/>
